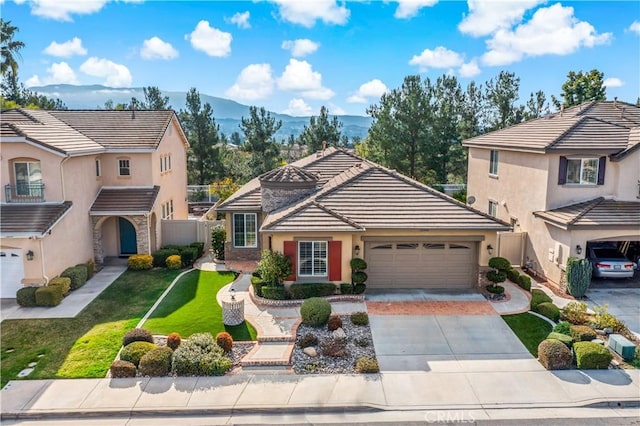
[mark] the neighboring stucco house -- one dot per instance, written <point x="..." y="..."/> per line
<point x="563" y="181"/>
<point x="325" y="209"/>
<point x="81" y="185"/>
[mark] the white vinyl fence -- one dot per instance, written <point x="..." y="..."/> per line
<point x="183" y="232"/>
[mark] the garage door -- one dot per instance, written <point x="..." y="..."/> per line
<point x="11" y="272"/>
<point x="421" y="264"/>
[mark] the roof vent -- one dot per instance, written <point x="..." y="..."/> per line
<point x="615" y="102"/>
<point x="622" y="112"/>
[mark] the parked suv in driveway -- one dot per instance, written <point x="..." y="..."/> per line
<point x="608" y="262"/>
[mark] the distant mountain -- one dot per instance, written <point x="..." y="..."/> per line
<point x="226" y="112"/>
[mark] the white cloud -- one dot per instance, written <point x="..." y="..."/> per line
<point x="254" y="82"/>
<point x="306" y="13"/>
<point x="613" y="82"/>
<point x="300" y="47"/>
<point x="241" y="20"/>
<point x="33" y="81"/>
<point x="551" y="31"/>
<point x="57" y="73"/>
<point x="61" y="10"/>
<point x="469" y="69"/>
<point x="440" y="57"/>
<point x="66" y="49"/>
<point x="115" y="75"/>
<point x="299" y="76"/>
<point x="371" y="89"/>
<point x="634" y="27"/>
<point x="298" y="107"/>
<point x="410" y="8"/>
<point x="336" y="110"/>
<point x="210" y="40"/>
<point x="486" y="17"/>
<point x="156" y="48"/>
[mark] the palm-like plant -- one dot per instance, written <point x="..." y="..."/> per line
<point x="10" y="48"/>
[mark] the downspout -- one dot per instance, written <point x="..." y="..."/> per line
<point x="46" y="278"/>
<point x="64" y="193"/>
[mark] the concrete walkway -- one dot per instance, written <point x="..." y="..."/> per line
<point x="519" y="300"/>
<point x="71" y="305"/>
<point x="489" y="389"/>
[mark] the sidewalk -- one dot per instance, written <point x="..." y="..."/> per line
<point x="71" y="305"/>
<point x="490" y="389"/>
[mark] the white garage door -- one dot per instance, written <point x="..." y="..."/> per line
<point x="11" y="272"/>
<point x="421" y="264"/>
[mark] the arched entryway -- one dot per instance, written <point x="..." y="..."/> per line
<point x="128" y="239"/>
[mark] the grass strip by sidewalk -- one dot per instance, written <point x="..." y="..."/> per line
<point x="191" y="307"/>
<point x="530" y="329"/>
<point x="86" y="345"/>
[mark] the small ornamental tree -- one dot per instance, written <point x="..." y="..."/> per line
<point x="218" y="236"/>
<point x="274" y="267"/>
<point x="358" y="276"/>
<point x="500" y="267"/>
<point x="578" y="276"/>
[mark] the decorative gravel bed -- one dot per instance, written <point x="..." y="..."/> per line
<point x="356" y="338"/>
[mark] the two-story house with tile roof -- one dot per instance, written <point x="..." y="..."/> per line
<point x="563" y="181"/>
<point x="325" y="209"/>
<point x="81" y="185"/>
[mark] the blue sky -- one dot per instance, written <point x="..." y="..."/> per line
<point x="294" y="56"/>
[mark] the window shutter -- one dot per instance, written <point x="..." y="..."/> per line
<point x="562" y="172"/>
<point x="601" y="166"/>
<point x="335" y="260"/>
<point x="291" y="251"/>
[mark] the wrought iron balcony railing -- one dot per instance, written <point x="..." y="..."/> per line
<point x="24" y="193"/>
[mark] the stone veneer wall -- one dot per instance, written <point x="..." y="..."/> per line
<point x="142" y="236"/>
<point x="275" y="196"/>
<point x="236" y="253"/>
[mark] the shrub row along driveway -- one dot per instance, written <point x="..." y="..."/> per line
<point x="447" y="343"/>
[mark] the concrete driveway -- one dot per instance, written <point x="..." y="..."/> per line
<point x="448" y="343"/>
<point x="624" y="303"/>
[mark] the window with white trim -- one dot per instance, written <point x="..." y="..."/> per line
<point x="582" y="171"/>
<point x="493" y="162"/>
<point x="28" y="177"/>
<point x="493" y="208"/>
<point x="124" y="167"/>
<point x="245" y="230"/>
<point x="167" y="210"/>
<point x="312" y="258"/>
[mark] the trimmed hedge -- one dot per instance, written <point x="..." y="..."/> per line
<point x="49" y="296"/>
<point x="26" y="296"/>
<point x="134" y="352"/>
<point x="359" y="277"/>
<point x="140" y="262"/>
<point x="188" y="256"/>
<point x="160" y="256"/>
<point x="500" y="263"/>
<point x="307" y="290"/>
<point x="583" y="333"/>
<point x="199" y="246"/>
<point x="591" y="356"/>
<point x="78" y="275"/>
<point x="513" y="275"/>
<point x="567" y="340"/>
<point x="359" y="288"/>
<point x="63" y="282"/>
<point x="548" y="310"/>
<point x="120" y="369"/>
<point x="137" y="335"/>
<point x="273" y="292"/>
<point x="315" y="312"/>
<point x="346" y="288"/>
<point x="174" y="261"/>
<point x="358" y="264"/>
<point x="538" y="297"/>
<point x="554" y="355"/>
<point x="524" y="281"/>
<point x="495" y="289"/>
<point x="563" y="327"/>
<point x="257" y="283"/>
<point x="157" y="362"/>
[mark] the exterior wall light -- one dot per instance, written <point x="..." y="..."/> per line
<point x="357" y="250"/>
<point x="579" y="249"/>
<point x="490" y="249"/>
<point x="30" y="255"/>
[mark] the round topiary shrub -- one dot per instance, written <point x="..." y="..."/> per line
<point x="500" y="263"/>
<point x="359" y="318"/>
<point x="495" y="289"/>
<point x="367" y="365"/>
<point x="225" y="341"/>
<point x="554" y="355"/>
<point x="120" y="369"/>
<point x="563" y="327"/>
<point x="174" y="261"/>
<point x="308" y="340"/>
<point x="359" y="288"/>
<point x="334" y="323"/>
<point x="173" y="341"/>
<point x="359" y="277"/>
<point x="157" y="362"/>
<point x="583" y="333"/>
<point x="134" y="351"/>
<point x="358" y="264"/>
<point x="548" y="310"/>
<point x="137" y="335"/>
<point x="315" y="312"/>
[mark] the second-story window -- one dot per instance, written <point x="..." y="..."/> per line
<point x="493" y="208"/>
<point x="582" y="171"/>
<point x="28" y="177"/>
<point x="124" y="167"/>
<point x="98" y="168"/>
<point x="493" y="162"/>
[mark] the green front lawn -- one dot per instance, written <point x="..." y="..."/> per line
<point x="86" y="345"/>
<point x="530" y="329"/>
<point x="191" y="307"/>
